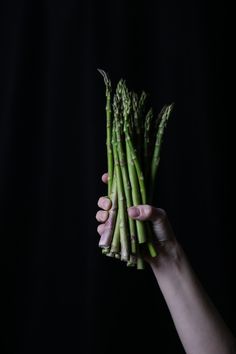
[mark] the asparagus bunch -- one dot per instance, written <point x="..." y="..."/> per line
<point x="133" y="143"/>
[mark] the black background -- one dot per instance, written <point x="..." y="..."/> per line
<point x="59" y="294"/>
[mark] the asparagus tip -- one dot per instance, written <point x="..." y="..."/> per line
<point x="105" y="77"/>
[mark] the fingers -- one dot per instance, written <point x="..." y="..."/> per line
<point x="104" y="203"/>
<point x="146" y="212"/>
<point x="102" y="216"/>
<point x="105" y="178"/>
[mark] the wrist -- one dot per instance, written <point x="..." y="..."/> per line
<point x="169" y="253"/>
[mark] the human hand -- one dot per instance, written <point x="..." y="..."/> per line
<point x="105" y="204"/>
<point x="165" y="240"/>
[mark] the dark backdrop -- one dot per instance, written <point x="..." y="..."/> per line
<point x="59" y="294"/>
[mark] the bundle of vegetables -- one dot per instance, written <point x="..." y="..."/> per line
<point x="133" y="143"/>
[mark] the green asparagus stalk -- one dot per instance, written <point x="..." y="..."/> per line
<point x="109" y="128"/>
<point x="138" y="169"/>
<point x="132" y="262"/>
<point x="157" y="149"/>
<point x="140" y="263"/>
<point x="121" y="202"/>
<point x="136" y="115"/>
<point x="106" y="250"/>
<point x="147" y="142"/>
<point x="115" y="246"/>
<point x="136" y="196"/>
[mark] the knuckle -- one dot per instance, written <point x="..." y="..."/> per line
<point x="162" y="216"/>
<point x="147" y="211"/>
<point x="162" y="213"/>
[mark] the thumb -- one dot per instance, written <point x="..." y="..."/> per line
<point x="161" y="225"/>
<point x="146" y="212"/>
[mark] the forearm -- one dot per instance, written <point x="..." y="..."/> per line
<point x="199" y="325"/>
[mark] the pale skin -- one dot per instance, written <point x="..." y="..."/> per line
<point x="199" y="325"/>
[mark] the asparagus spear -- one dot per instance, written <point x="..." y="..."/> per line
<point x="107" y="82"/>
<point x="115" y="246"/>
<point x="157" y="149"/>
<point x="121" y="201"/>
<point x="147" y="142"/>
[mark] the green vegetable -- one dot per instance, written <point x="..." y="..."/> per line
<point x="133" y="143"/>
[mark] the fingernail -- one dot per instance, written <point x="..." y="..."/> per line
<point x="133" y="211"/>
